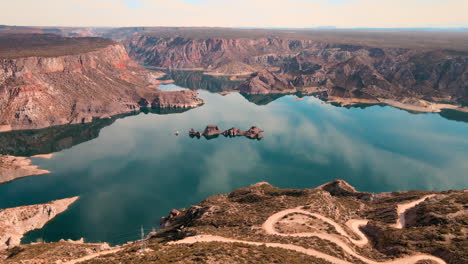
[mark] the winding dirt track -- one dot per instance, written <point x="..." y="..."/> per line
<point x="269" y="227"/>
<point x="402" y="208"/>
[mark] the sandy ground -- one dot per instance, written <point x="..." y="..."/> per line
<point x="351" y="101"/>
<point x="5" y="128"/>
<point x="239" y="74"/>
<point x="44" y="156"/>
<point x="428" y="108"/>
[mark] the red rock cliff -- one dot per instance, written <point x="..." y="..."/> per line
<point x="37" y="92"/>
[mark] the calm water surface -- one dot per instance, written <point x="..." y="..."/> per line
<point x="132" y="171"/>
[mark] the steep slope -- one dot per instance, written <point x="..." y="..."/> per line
<point x="15" y="222"/>
<point x="265" y="82"/>
<point x="53" y="89"/>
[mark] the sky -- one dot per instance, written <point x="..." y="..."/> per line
<point x="237" y="13"/>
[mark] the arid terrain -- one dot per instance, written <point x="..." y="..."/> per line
<point x="50" y="80"/>
<point x="332" y="223"/>
<point x="420" y="71"/>
<point x="60" y="86"/>
<point x="414" y="70"/>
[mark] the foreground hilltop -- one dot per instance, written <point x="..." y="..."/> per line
<point x="49" y="80"/>
<point x="333" y="223"/>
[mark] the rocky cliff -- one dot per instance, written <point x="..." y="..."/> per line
<point x="12" y="167"/>
<point x="55" y="89"/>
<point x="15" y="222"/>
<point x="348" y="68"/>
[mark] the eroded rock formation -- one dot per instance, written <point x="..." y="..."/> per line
<point x="37" y="92"/>
<point x="212" y="131"/>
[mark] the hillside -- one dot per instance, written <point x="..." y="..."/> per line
<point x="332" y="223"/>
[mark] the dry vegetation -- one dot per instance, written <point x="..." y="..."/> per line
<point x="437" y="227"/>
<point x="49" y="252"/>
<point x="47" y="45"/>
<point x="206" y="253"/>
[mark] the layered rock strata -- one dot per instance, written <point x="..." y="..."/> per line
<point x="350" y="70"/>
<point x="37" y="92"/>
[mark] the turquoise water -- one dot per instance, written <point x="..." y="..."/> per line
<point x="132" y="171"/>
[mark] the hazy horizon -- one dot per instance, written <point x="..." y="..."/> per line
<point x="292" y="14"/>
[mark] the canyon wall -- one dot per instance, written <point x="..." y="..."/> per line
<point x="43" y="91"/>
<point x="345" y="70"/>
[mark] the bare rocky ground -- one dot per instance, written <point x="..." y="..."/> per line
<point x="259" y="224"/>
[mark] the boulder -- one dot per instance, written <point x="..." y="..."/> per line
<point x="254" y="133"/>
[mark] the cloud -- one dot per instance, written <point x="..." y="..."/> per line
<point x="236" y="13"/>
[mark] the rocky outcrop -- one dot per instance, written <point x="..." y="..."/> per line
<point x="266" y="82"/>
<point x="341" y="188"/>
<point x="15" y="222"/>
<point x="212" y="131"/>
<point x="175" y="99"/>
<point x="12" y="168"/>
<point x="37" y="92"/>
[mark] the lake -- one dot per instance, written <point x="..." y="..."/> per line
<point x="132" y="170"/>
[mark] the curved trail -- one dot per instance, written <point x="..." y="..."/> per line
<point x="402" y="208"/>
<point x="307" y="251"/>
<point x="269" y="227"/>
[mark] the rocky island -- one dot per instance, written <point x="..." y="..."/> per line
<point x="333" y="223"/>
<point x="212" y="131"/>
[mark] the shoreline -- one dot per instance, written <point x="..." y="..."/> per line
<point x="13" y="168"/>
<point x="18" y="221"/>
<point x="430" y="107"/>
<point x="44" y="156"/>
